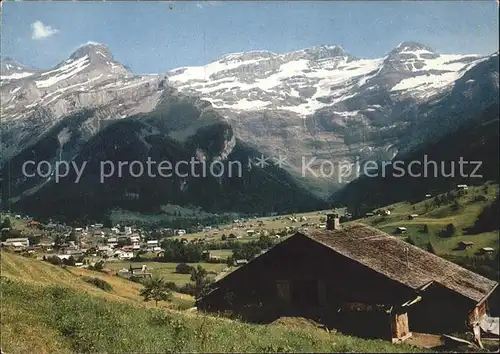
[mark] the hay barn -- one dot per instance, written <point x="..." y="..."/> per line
<point x="357" y="279"/>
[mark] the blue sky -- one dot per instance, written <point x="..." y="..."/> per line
<point x="149" y="37"/>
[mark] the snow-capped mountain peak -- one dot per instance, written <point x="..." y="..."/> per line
<point x="9" y="65"/>
<point x="412" y="46"/>
<point x="246" y="56"/>
<point x="324" y="52"/>
<point x="306" y="80"/>
<point x="93" y="50"/>
<point x="90" y="77"/>
<point x="320" y="81"/>
<point x="96" y="57"/>
<point x="13" y="70"/>
<point x="408" y="51"/>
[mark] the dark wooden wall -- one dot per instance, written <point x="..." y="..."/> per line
<point x="440" y="311"/>
<point x="300" y="260"/>
<point x="252" y="292"/>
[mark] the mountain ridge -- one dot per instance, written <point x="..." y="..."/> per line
<point x="319" y="102"/>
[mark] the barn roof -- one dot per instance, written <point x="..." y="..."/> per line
<point x="402" y="262"/>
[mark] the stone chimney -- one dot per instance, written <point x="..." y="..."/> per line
<point x="332" y="222"/>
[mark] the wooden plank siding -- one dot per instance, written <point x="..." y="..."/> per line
<point x="270" y="287"/>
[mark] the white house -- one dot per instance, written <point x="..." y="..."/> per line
<point x="128" y="230"/>
<point x="151" y="244"/>
<point x="63" y="256"/>
<point x="18" y="242"/>
<point x="125" y="255"/>
<point x="181" y="232"/>
<point x="135" y="238"/>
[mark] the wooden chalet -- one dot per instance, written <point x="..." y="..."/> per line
<point x="357" y="279"/>
<point x="465" y="245"/>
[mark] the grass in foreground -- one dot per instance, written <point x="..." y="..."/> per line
<point x="56" y="319"/>
<point x="47" y="309"/>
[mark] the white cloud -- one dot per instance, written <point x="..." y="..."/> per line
<point x="199" y="5"/>
<point x="42" y="31"/>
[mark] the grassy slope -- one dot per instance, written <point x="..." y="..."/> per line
<point x="35" y="272"/>
<point x="47" y="309"/>
<point x="437" y="218"/>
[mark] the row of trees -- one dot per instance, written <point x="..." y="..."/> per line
<point x="6" y="223"/>
<point x="448" y="231"/>
<point x="178" y="251"/>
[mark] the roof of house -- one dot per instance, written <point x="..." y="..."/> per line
<point x="388" y="255"/>
<point x="21" y="239"/>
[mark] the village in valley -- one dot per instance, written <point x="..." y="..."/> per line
<point x="118" y="247"/>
